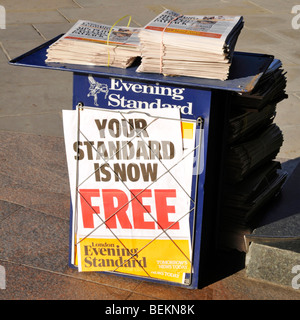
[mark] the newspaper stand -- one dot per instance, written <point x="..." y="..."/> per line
<point x="205" y="102"/>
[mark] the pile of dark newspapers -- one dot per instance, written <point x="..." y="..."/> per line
<point x="252" y="174"/>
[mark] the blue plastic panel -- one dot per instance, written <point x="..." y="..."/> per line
<point x="119" y="93"/>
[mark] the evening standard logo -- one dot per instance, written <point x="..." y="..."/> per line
<point x="96" y="88"/>
<point x="115" y="93"/>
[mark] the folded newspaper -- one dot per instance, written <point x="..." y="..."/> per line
<point x="245" y="157"/>
<point x="197" y="46"/>
<point x="91" y="43"/>
<point x="244" y="203"/>
<point x="243" y="199"/>
<point x="269" y="89"/>
<point x="244" y="123"/>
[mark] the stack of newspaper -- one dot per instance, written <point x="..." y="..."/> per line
<point x="245" y="157"/>
<point x="252" y="192"/>
<point x="171" y="44"/>
<point x="196" y="46"/>
<point x="244" y="123"/>
<point x="91" y="43"/>
<point x="244" y="202"/>
<point x="253" y="176"/>
<point x="270" y="89"/>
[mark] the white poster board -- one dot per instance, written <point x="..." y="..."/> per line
<point x="130" y="177"/>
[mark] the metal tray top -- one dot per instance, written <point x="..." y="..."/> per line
<point x="245" y="70"/>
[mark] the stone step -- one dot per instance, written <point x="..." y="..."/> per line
<point x="274" y="250"/>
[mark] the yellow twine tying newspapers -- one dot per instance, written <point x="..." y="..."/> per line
<point x="162" y="44"/>
<point x="107" y="42"/>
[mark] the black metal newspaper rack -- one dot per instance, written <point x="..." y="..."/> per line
<point x="146" y="159"/>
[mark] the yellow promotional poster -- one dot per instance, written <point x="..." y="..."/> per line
<point x="161" y="259"/>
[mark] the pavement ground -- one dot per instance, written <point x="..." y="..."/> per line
<point x="34" y="190"/>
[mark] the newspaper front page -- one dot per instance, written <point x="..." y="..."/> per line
<point x="212" y="26"/>
<point x="96" y="32"/>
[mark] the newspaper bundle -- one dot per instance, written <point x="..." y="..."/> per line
<point x="244" y="123"/>
<point x="270" y="89"/>
<point x="171" y="44"/>
<point x="253" y="176"/>
<point x="91" y="43"/>
<point x="243" y="199"/>
<point x="244" y="203"/>
<point x="197" y="46"/>
<point x="243" y="158"/>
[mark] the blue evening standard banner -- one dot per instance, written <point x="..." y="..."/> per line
<point x="120" y="93"/>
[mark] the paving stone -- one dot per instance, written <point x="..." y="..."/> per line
<point x="289" y="107"/>
<point x="3" y="57"/>
<point x="19" y="33"/>
<point x="108" y="14"/>
<point x="161" y="291"/>
<point x="16" y="48"/>
<point x="110" y="280"/>
<point x="6" y="208"/>
<point x="287" y="53"/>
<point x="293" y="79"/>
<point x="236" y="287"/>
<point x="33" y="5"/>
<point x="35" y="239"/>
<point x="40" y="124"/>
<point x="241" y="287"/>
<point x="285" y="34"/>
<point x="260" y="21"/>
<point x="44" y="157"/>
<point x="271" y="6"/>
<point x="51" y="30"/>
<point x="273" y="262"/>
<point x="29" y="17"/>
<point x="17" y="75"/>
<point x="26" y="283"/>
<point x="291" y="145"/>
<point x="43" y="186"/>
<point x="99" y="3"/>
<point x="254" y="41"/>
<point x="221" y="8"/>
<point x="35" y="99"/>
<point x="275" y="250"/>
